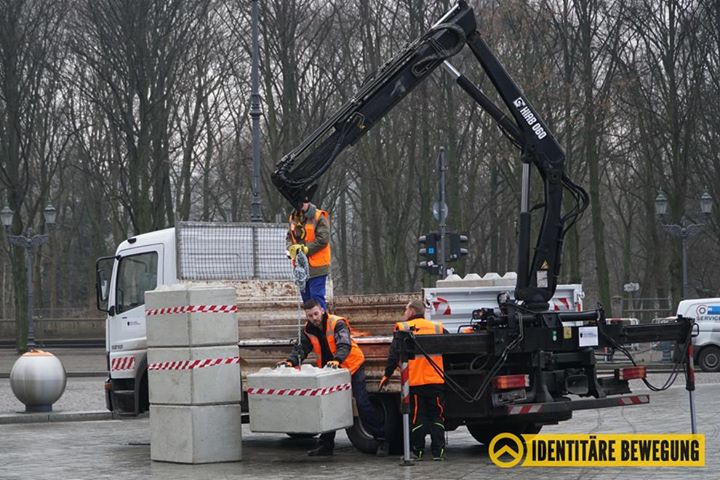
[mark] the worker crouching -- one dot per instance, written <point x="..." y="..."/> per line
<point x="328" y="337"/>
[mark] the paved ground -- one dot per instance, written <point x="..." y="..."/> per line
<point x="81" y="394"/>
<point x="120" y="448"/>
<point x="112" y="448"/>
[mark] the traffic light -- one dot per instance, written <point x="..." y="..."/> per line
<point x="429" y="251"/>
<point x="458" y="242"/>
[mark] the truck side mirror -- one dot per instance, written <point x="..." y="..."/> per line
<point x="103" y="271"/>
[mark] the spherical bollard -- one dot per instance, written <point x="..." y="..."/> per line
<point x="38" y="380"/>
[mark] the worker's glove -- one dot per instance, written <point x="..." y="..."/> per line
<point x="284" y="363"/>
<point x="333" y="364"/>
<point x="383" y="382"/>
<point x="295" y="248"/>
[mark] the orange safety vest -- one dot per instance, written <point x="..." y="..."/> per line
<point x="354" y="359"/>
<point x="421" y="371"/>
<point x="320" y="258"/>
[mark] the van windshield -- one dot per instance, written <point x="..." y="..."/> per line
<point x="136" y="274"/>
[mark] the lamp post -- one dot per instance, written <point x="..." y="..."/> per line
<point x="29" y="242"/>
<point x="255" y="113"/>
<point x="684" y="230"/>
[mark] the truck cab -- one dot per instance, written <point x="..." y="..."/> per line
<point x="140" y="263"/>
<point x="249" y="257"/>
<point x="706" y="314"/>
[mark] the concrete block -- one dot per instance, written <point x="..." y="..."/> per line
<point x="309" y="400"/>
<point x="196" y="434"/>
<point x="193" y="386"/>
<point x="188" y="326"/>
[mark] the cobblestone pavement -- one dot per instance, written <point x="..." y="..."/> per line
<point x="81" y="394"/>
<point x="120" y="448"/>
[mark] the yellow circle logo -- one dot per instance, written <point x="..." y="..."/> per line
<point x="506" y="450"/>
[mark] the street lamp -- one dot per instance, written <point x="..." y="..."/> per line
<point x="29" y="242"/>
<point x="684" y="230"/>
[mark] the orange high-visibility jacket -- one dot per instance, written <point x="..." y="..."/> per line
<point x="421" y="371"/>
<point x="354" y="359"/>
<point x="320" y="258"/>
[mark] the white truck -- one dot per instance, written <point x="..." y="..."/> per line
<point x="251" y="258"/>
<point x="706" y="340"/>
<point x="247" y="256"/>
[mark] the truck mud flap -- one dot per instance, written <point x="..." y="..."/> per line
<point x="571" y="405"/>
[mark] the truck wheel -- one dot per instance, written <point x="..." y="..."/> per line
<point x="709" y="359"/>
<point x="484" y="433"/>
<point x="389" y="413"/>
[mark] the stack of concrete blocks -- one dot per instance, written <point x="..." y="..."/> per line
<point x="195" y="414"/>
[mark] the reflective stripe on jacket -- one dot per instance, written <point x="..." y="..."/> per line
<point x="320" y="258"/>
<point x="421" y="371"/>
<point x="355" y="358"/>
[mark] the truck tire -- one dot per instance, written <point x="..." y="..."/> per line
<point x="709" y="359"/>
<point x="389" y="413"/>
<point x="484" y="433"/>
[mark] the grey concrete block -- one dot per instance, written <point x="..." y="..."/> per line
<point x="197" y="386"/>
<point x="190" y="328"/>
<point x="309" y="400"/>
<point x="195" y="434"/>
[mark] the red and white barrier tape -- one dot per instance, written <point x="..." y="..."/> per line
<point x="192" y="364"/>
<point x="122" y="363"/>
<point x="298" y="392"/>
<point x="524" y="409"/>
<point x="193" y="309"/>
<point x="634" y="400"/>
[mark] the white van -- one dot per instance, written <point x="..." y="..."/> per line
<point x="706" y="313"/>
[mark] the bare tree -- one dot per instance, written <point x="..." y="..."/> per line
<point x="137" y="52"/>
<point x="31" y="144"/>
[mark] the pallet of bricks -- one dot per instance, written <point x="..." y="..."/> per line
<point x="194" y="374"/>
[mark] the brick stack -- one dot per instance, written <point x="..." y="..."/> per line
<point x="193" y="374"/>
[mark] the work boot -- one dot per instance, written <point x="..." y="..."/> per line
<point x="383" y="449"/>
<point x="320" y="451"/>
<point x="439" y="457"/>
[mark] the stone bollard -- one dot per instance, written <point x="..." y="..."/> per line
<point x="193" y="375"/>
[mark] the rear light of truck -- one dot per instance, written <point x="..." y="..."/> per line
<point x="509" y="382"/>
<point x="630" y="373"/>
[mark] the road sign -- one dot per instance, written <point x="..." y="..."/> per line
<point x="437" y="211"/>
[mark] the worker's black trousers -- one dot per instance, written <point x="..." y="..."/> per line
<point x="368" y="415"/>
<point x="427" y="415"/>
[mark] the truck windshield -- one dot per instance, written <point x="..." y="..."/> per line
<point x="136" y="274"/>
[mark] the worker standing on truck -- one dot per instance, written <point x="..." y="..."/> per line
<point x="328" y="336"/>
<point x="427" y="384"/>
<point x="309" y="231"/>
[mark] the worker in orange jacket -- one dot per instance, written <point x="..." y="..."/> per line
<point x="328" y="337"/>
<point x="427" y="384"/>
<point x="309" y="232"/>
